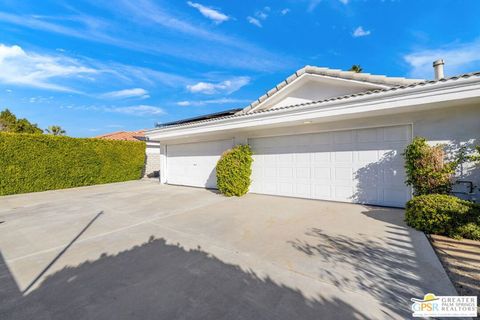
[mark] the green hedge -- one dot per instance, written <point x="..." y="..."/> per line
<point x="233" y="171"/>
<point x="445" y="215"/>
<point x="30" y="163"/>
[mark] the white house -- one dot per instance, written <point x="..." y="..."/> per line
<point x="328" y="134"/>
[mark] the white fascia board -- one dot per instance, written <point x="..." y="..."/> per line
<point x="376" y="103"/>
<point x="295" y="84"/>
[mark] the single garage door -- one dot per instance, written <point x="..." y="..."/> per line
<point x="193" y="164"/>
<point x="361" y="166"/>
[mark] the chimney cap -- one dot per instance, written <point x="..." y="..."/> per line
<point x="438" y="62"/>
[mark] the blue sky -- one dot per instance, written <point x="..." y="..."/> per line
<point x="94" y="67"/>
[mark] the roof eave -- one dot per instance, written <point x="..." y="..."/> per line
<point x="381" y="102"/>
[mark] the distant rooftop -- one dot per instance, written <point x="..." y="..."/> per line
<point x="124" y="135"/>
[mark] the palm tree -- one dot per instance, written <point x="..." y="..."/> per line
<point x="356" y="68"/>
<point x="56" y="131"/>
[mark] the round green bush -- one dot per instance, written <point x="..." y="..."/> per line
<point x="233" y="171"/>
<point x="441" y="214"/>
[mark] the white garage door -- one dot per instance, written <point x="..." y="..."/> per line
<point x="361" y="166"/>
<point x="193" y="164"/>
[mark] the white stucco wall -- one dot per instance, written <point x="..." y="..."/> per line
<point x="454" y="126"/>
<point x="315" y="91"/>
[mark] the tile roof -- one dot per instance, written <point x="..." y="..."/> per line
<point x="334" y="73"/>
<point x="124" y="135"/>
<point x="345" y="97"/>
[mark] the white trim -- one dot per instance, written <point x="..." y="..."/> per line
<point x="315" y="77"/>
<point x="200" y="141"/>
<point x="335" y="130"/>
<point x="388" y="102"/>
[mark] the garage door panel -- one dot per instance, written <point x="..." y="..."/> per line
<point x="285" y="172"/>
<point x="321" y="191"/>
<point x="343" y="193"/>
<point x="395" y="196"/>
<point x="302" y="173"/>
<point x="321" y="157"/>
<point x="393" y="176"/>
<point x="343" y="137"/>
<point x="370" y="195"/>
<point x="303" y="190"/>
<point x="285" y="158"/>
<point x="363" y="165"/>
<point x="368" y="156"/>
<point x="302" y="157"/>
<point x="321" y="139"/>
<point x="343" y="175"/>
<point x="193" y="164"/>
<point x="397" y="133"/>
<point x="270" y="188"/>
<point x="367" y="135"/>
<point x="322" y="174"/>
<point x="343" y="156"/>
<point x="270" y="172"/>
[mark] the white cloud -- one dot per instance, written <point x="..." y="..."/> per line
<point x="260" y="15"/>
<point x="40" y="99"/>
<point x="187" y="103"/>
<point x="254" y="21"/>
<point x="140" y="110"/>
<point x="227" y="86"/>
<point x="134" y="74"/>
<point x="39" y="71"/>
<point x="285" y="11"/>
<point x="459" y="58"/>
<point x="127" y="93"/>
<point x="313" y="4"/>
<point x="344" y="1"/>
<point x="151" y="19"/>
<point x="263" y="14"/>
<point x="62" y="73"/>
<point x="360" y="32"/>
<point x="212" y="14"/>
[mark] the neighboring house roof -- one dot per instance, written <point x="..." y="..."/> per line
<point x="381" y="80"/>
<point x="372" y="93"/>
<point x="124" y="135"/>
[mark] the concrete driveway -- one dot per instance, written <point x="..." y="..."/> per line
<point x="139" y="250"/>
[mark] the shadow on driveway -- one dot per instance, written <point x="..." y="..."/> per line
<point x="161" y="281"/>
<point x="391" y="268"/>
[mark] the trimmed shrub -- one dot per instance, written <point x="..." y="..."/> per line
<point x="233" y="171"/>
<point x="426" y="170"/>
<point x="30" y="163"/>
<point x="444" y="215"/>
<point x="469" y="230"/>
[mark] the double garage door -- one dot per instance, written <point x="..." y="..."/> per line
<point x="361" y="166"/>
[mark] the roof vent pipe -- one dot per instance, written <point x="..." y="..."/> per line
<point x="438" y="67"/>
